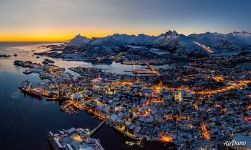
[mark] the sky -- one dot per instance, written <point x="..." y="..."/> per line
<point x="60" y="20"/>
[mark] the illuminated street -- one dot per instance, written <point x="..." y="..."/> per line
<point x="154" y="105"/>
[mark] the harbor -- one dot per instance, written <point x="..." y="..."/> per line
<point x="33" y="116"/>
<point x="136" y="105"/>
<point x="72" y="106"/>
<point x="170" y="105"/>
<point x="46" y="110"/>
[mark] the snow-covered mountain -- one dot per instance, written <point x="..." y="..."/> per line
<point x="194" y="44"/>
<point x="79" y="41"/>
<point x="242" y="36"/>
<point x="121" y="39"/>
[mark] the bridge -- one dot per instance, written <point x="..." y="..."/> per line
<point x="150" y="70"/>
<point x="96" y="129"/>
<point x="154" y="71"/>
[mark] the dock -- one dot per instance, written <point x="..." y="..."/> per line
<point x="72" y="103"/>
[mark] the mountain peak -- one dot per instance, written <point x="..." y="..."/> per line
<point x="169" y="32"/>
<point x="79" y="40"/>
<point x="79" y="36"/>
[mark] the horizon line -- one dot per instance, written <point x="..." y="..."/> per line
<point x="90" y="36"/>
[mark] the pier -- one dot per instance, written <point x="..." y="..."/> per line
<point x="74" y="104"/>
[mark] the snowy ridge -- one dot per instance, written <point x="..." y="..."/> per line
<point x="202" y="44"/>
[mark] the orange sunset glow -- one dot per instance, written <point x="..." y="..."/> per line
<point x="125" y="74"/>
<point x="64" y="34"/>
